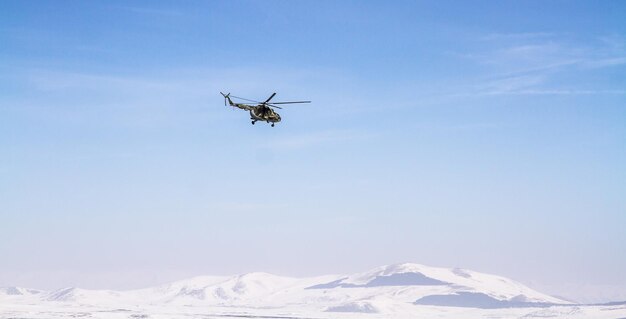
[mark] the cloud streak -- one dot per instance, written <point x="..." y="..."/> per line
<point x="314" y="139"/>
<point x="543" y="64"/>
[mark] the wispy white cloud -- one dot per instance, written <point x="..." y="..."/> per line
<point x="517" y="36"/>
<point x="316" y="139"/>
<point x="461" y="127"/>
<point x="171" y="85"/>
<point x="534" y="84"/>
<point x="556" y="92"/>
<point x="614" y="41"/>
<point x="171" y="96"/>
<point x="46" y="80"/>
<point x="520" y="58"/>
<point x="245" y="207"/>
<point x="153" y="11"/>
<point x="605" y="62"/>
<point x="513" y="83"/>
<point x="543" y="64"/>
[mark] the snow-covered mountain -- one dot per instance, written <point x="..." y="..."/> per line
<point x="383" y="289"/>
<point x="395" y="291"/>
<point x="8" y="292"/>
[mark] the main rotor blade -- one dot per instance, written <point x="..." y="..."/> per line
<point x="272" y="105"/>
<point x="269" y="98"/>
<point x="294" y="102"/>
<point x="241" y="98"/>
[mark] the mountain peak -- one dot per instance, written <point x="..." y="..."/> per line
<point x="403" y="268"/>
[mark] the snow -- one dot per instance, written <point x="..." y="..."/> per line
<point x="401" y="291"/>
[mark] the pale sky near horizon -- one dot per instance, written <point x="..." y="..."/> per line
<point x="488" y="135"/>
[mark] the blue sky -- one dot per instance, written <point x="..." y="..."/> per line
<point x="484" y="135"/>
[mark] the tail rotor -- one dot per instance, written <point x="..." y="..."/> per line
<point x="226" y="97"/>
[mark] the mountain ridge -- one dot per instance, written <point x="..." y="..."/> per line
<point x="381" y="289"/>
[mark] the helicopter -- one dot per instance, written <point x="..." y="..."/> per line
<point x="262" y="111"/>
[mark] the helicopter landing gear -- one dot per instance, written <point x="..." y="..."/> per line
<point x="272" y="124"/>
<point x="253" y="122"/>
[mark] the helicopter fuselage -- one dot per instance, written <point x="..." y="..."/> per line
<point x="265" y="114"/>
